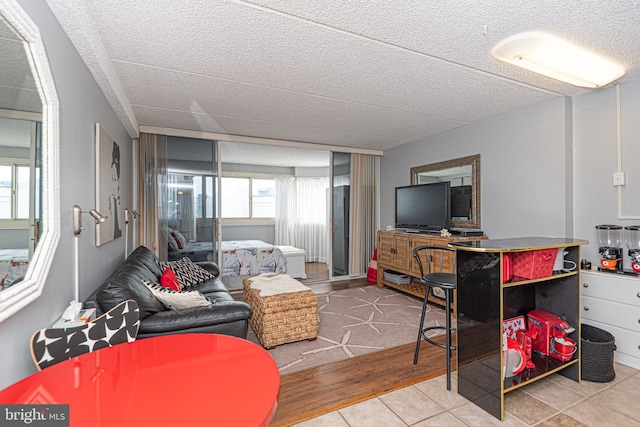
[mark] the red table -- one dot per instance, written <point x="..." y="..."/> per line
<point x="173" y="380"/>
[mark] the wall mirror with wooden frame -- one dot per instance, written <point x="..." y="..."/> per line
<point x="464" y="175"/>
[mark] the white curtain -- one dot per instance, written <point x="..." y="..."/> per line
<point x="311" y="217"/>
<point x="364" y="209"/>
<point x="285" y="211"/>
<point x="301" y="216"/>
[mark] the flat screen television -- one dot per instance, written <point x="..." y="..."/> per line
<point x="424" y="207"/>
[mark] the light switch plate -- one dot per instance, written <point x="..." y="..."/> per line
<point x="618" y="178"/>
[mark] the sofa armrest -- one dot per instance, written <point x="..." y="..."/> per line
<point x="195" y="317"/>
<point x="210" y="266"/>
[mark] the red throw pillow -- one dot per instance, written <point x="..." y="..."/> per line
<point x="169" y="280"/>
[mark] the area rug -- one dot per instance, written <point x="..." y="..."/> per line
<point x="353" y="322"/>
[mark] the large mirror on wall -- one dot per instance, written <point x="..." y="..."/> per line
<point x="464" y="176"/>
<point x="29" y="217"/>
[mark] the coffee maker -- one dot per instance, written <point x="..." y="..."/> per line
<point x="610" y="247"/>
<point x="632" y="240"/>
<point x="550" y="335"/>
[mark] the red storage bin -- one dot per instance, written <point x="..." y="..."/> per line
<point x="534" y="264"/>
<point x="372" y="271"/>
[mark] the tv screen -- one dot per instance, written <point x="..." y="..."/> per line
<point x="424" y="207"/>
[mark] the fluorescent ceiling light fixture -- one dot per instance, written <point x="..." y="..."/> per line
<point x="553" y="57"/>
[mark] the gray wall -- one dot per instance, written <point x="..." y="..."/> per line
<point x="266" y="233"/>
<point x="596" y="200"/>
<point x="545" y="170"/>
<point x="82" y="104"/>
<point x="14" y="239"/>
<point x="524" y="176"/>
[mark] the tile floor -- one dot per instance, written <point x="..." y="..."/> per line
<point x="552" y="401"/>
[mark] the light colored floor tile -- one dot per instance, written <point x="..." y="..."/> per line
<point x="561" y="420"/>
<point x="552" y="393"/>
<point x="585" y="388"/>
<point x="332" y="419"/>
<point x="436" y="389"/>
<point x="369" y="413"/>
<point x="444" y="419"/>
<point x="623" y="371"/>
<point x="527" y="408"/>
<point x="537" y="404"/>
<point x="595" y="414"/>
<point x="623" y="397"/>
<point x="472" y="415"/>
<point x="411" y="404"/>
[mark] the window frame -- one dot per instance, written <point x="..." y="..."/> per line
<point x="251" y="220"/>
<point x="15" y="223"/>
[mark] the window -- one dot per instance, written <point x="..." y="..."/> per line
<point x="14" y="190"/>
<point x="203" y="196"/>
<point x="246" y="197"/>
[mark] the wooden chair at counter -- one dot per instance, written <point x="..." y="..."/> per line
<point x="435" y="276"/>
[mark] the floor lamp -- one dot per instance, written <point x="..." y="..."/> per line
<point x="72" y="312"/>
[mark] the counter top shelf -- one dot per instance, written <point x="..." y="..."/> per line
<point x="544" y="366"/>
<point x="486" y="296"/>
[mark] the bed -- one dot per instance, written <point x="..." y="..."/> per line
<point x="13" y="266"/>
<point x="243" y="257"/>
<point x="251" y="257"/>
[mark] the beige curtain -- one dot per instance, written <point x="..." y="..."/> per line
<point x="152" y="193"/>
<point x="364" y="211"/>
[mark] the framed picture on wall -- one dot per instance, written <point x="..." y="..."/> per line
<point x="107" y="186"/>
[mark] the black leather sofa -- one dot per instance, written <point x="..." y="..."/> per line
<point x="226" y="316"/>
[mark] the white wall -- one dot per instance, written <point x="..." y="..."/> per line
<point x="82" y="104"/>
<point x="524" y="176"/>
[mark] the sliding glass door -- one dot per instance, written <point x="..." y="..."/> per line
<point x="340" y="200"/>
<point x="191" y="201"/>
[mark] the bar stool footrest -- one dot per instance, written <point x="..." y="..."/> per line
<point x="430" y="341"/>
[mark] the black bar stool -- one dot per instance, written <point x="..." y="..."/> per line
<point x="436" y="277"/>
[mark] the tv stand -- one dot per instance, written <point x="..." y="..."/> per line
<point x="418" y="231"/>
<point x="395" y="249"/>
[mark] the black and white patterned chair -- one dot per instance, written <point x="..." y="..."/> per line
<point x="118" y="325"/>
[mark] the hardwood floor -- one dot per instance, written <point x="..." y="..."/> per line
<point x="316" y="272"/>
<point x="316" y="391"/>
<point x="313" y="392"/>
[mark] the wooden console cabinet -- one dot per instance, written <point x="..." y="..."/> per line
<point x="395" y="253"/>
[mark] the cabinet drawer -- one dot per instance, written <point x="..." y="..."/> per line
<point x="612" y="313"/>
<point x="611" y="287"/>
<point x="627" y="342"/>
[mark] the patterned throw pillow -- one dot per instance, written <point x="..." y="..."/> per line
<point x="177" y="300"/>
<point x="188" y="273"/>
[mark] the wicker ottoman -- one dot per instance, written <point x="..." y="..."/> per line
<point x="284" y="310"/>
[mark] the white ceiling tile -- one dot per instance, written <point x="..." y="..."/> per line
<point x="365" y="74"/>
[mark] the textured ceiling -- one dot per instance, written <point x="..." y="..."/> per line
<point x="367" y="74"/>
